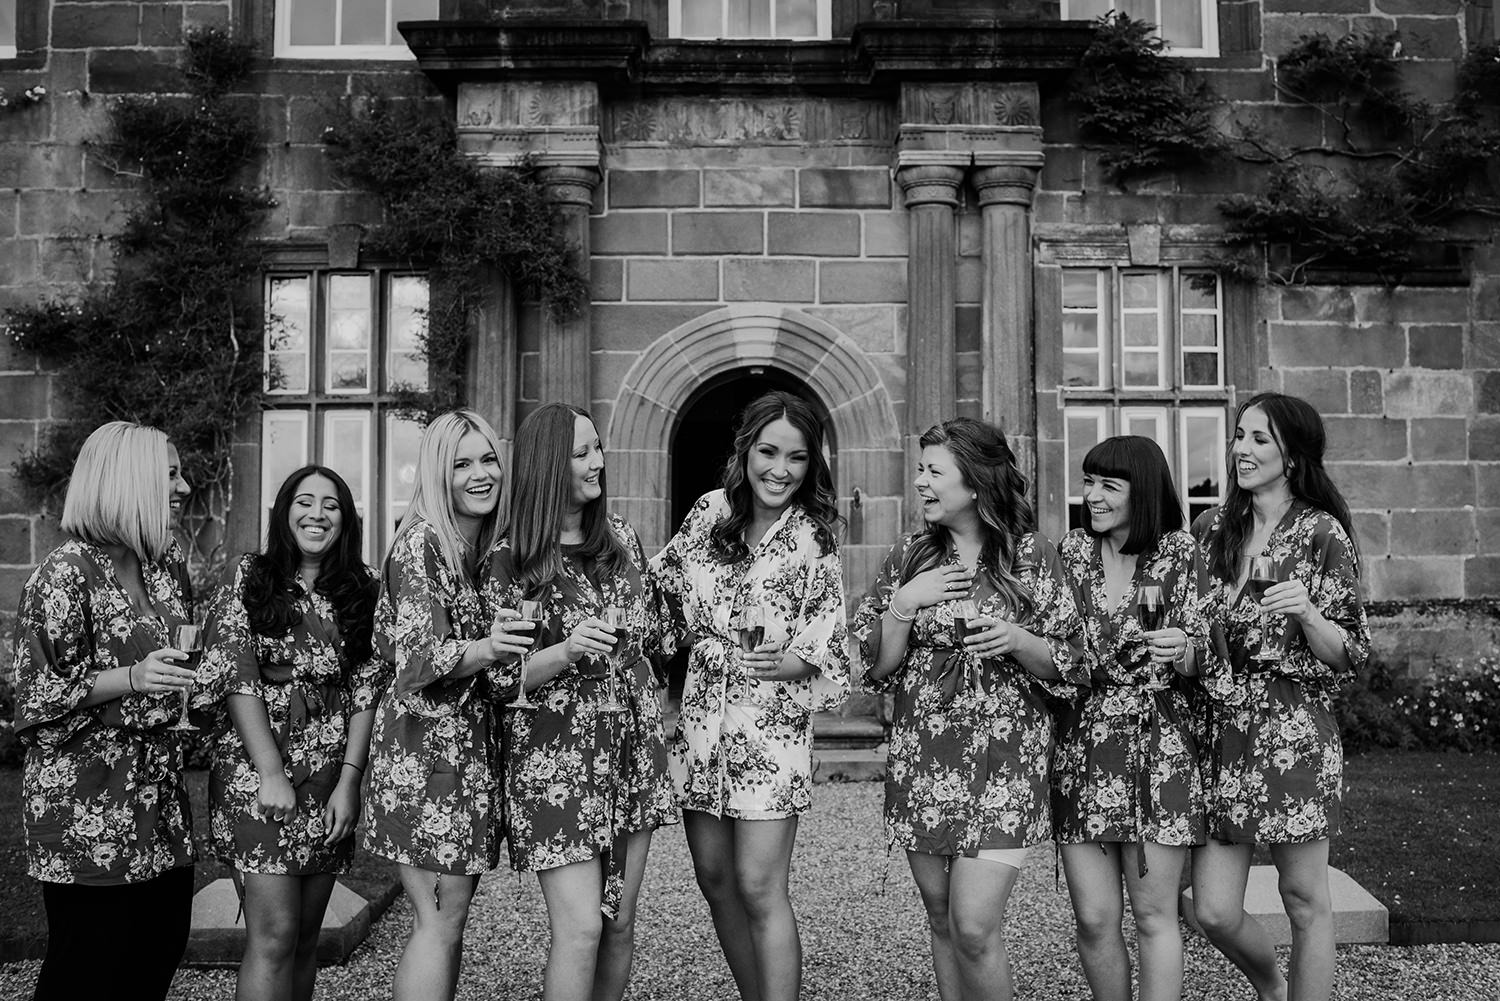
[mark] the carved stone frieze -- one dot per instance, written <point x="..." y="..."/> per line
<point x="1010" y="105"/>
<point x="716" y="121"/>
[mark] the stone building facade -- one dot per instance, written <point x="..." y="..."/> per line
<point x="887" y="208"/>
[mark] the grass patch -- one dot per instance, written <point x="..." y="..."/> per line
<point x="24" y="935"/>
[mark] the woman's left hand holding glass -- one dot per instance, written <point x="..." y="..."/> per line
<point x="510" y="635"/>
<point x="991" y="637"/>
<point x="771" y="662"/>
<point x="1290" y="598"/>
<point x="1167" y="646"/>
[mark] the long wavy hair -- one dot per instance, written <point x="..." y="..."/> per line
<point x="541" y="486"/>
<point x="1155" y="508"/>
<point x="269" y="591"/>
<point x="1298" y="432"/>
<point x="432" y="497"/>
<point x="988" y="468"/>
<point x="815" y="494"/>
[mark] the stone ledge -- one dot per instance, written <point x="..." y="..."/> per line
<point x="1357" y="916"/>
<point x="849" y="764"/>
<point x="217" y="938"/>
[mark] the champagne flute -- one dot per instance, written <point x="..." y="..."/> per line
<point x="1262" y="578"/>
<point x="615" y="617"/>
<point x="1150" y="610"/>
<point x="752" y="630"/>
<point x="187" y="637"/>
<point x="965" y="611"/>
<point x="530" y="611"/>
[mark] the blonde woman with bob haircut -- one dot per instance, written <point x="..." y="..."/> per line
<point x="433" y="804"/>
<point x="98" y="685"/>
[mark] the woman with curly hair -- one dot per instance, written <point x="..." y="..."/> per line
<point x="288" y="652"/>
<point x="586" y="777"/>
<point x="972" y="624"/>
<point x="753" y="576"/>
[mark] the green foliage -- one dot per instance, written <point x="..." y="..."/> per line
<point x="173" y="339"/>
<point x="1455" y="710"/>
<point x="444" y="212"/>
<point x="1153" y="112"/>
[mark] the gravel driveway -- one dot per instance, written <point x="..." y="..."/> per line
<point x="862" y="929"/>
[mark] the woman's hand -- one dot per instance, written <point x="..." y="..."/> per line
<point x="1290" y="598"/>
<point x="276" y="799"/>
<point x="1167" y="646"/>
<point x="510" y="635"/>
<point x="929" y="587"/>
<point x="589" y="637"/>
<point x="771" y="662"/>
<point x="162" y="671"/>
<point x="342" y="811"/>
<point x="992" y="637"/>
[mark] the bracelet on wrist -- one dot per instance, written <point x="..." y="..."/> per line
<point x="130" y="676"/>
<point x="358" y="768"/>
<point x="897" y="615"/>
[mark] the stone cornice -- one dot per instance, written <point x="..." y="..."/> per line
<point x="875" y="58"/>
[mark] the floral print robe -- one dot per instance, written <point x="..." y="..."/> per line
<point x="971" y="740"/>
<point x="745" y="747"/>
<point x="578" y="781"/>
<point x="310" y="692"/>
<point x="1275" y="764"/>
<point x="433" y="797"/>
<point x="103" y="801"/>
<point x="1126" y="767"/>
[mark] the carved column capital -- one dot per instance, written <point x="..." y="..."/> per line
<point x="1009" y="182"/>
<point x="569" y="185"/>
<point x="930" y="183"/>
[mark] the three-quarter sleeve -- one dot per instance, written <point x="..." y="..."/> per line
<point x="820" y="634"/>
<point x="670" y="573"/>
<point x="55" y="660"/>
<point x="1333" y="585"/>
<point x="231" y="664"/>
<point x="867" y="618"/>
<point x="425" y="645"/>
<point x="1055" y="620"/>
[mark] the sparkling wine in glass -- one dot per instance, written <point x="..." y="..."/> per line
<point x="752" y="629"/>
<point x="188" y="638"/>
<point x="1262" y="578"/>
<point x="530" y="611"/>
<point x="619" y="623"/>
<point x="1150" y="609"/>
<point x="965" y="611"/>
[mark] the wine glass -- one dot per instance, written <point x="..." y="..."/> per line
<point x="752" y="629"/>
<point x="615" y="617"/>
<point x="187" y="637"/>
<point x="530" y="611"/>
<point x="965" y="611"/>
<point x="1262" y="577"/>
<point x="1150" y="609"/>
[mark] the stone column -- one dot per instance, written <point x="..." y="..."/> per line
<point x="494" y="378"/>
<point x="564" y="371"/>
<point x="1005" y="183"/>
<point x="931" y="190"/>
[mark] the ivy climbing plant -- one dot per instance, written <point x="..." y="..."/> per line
<point x="446" y="214"/>
<point x="172" y="338"/>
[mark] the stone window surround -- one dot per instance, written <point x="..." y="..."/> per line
<point x="30" y="49"/>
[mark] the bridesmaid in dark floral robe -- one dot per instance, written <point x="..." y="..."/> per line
<point x="288" y="654"/>
<point x="1275" y="764"/>
<point x="433" y="799"/>
<point x="98" y="686"/>
<point x="1127" y="795"/>
<point x="967" y="779"/>
<point x="584" y="785"/>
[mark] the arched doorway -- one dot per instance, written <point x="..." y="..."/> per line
<point x="704" y="435"/>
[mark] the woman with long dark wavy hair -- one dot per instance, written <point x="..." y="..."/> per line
<point x="753" y="576"/>
<point x="1274" y="761"/>
<point x="586" y="779"/>
<point x="966" y="790"/>
<point x="288" y="652"/>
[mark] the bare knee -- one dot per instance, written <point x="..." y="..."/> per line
<point x="1219" y="919"/>
<point x="1096" y="923"/>
<point x="715" y="880"/>
<point x="273" y="934"/>
<point x="578" y="932"/>
<point x="762" y="895"/>
<point x="1305" y="905"/>
<point x="620" y="928"/>
<point x="974" y="939"/>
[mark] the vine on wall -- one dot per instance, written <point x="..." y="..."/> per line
<point x="445" y="213"/>
<point x="173" y="337"/>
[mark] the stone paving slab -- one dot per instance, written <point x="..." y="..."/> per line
<point x="1357" y="916"/>
<point x="218" y="931"/>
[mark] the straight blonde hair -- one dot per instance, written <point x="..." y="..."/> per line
<point x="119" y="494"/>
<point x="432" y="497"/>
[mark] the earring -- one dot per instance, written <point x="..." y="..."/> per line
<point x="973" y="497"/>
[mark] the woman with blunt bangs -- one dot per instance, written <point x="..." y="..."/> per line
<point x="289" y="654"/>
<point x="753" y="577"/>
<point x="433" y="802"/>
<point x="98" y="687"/>
<point x="1274" y="762"/>
<point x="966" y="787"/>
<point x="1127" y="796"/>
<point x="585" y="782"/>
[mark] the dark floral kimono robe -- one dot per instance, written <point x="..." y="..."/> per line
<point x="1274" y="763"/>
<point x="102" y="796"/>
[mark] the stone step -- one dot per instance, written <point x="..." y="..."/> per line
<point x="849" y="764"/>
<point x="1357" y="916"/>
<point x="218" y="930"/>
<point x="832" y="730"/>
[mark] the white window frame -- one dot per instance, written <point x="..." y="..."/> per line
<point x="285" y="48"/>
<point x="10" y="49"/>
<point x="1208" y="13"/>
<point x="823" y="10"/>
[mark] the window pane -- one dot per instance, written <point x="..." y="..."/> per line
<point x="1199" y="290"/>
<point x="363" y="22"/>
<point x="1139" y="291"/>
<point x="749" y="19"/>
<point x="346" y="450"/>
<point x="1203" y="449"/>
<point x="283" y="449"/>
<point x="1081" y="331"/>
<point x="1142" y="368"/>
<point x="1200" y="369"/>
<point x="1079" y="10"/>
<point x="348" y="333"/>
<point x="1083" y="429"/>
<point x="407" y="328"/>
<point x="1080" y="369"/>
<point x="1142" y="330"/>
<point x="288" y="315"/>
<point x="1080" y="288"/>
<point x="1181" y="23"/>
<point x="401" y="438"/>
<point x="796" y="18"/>
<point x="1200" y="330"/>
<point x="702" y="18"/>
<point x="7" y="24"/>
<point x="312" y="22"/>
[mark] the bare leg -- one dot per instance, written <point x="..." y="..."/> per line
<point x="1302" y="878"/>
<point x="573" y="893"/>
<point x="711" y="840"/>
<point x="1093" y="871"/>
<point x="1153" y="901"/>
<point x="315" y="893"/>
<point x="273" y="905"/>
<point x="763" y="869"/>
<point x="931" y="875"/>
<point x="978" y="891"/>
<point x="1220" y="873"/>
<point x="434" y="953"/>
<point x="617" y="945"/>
